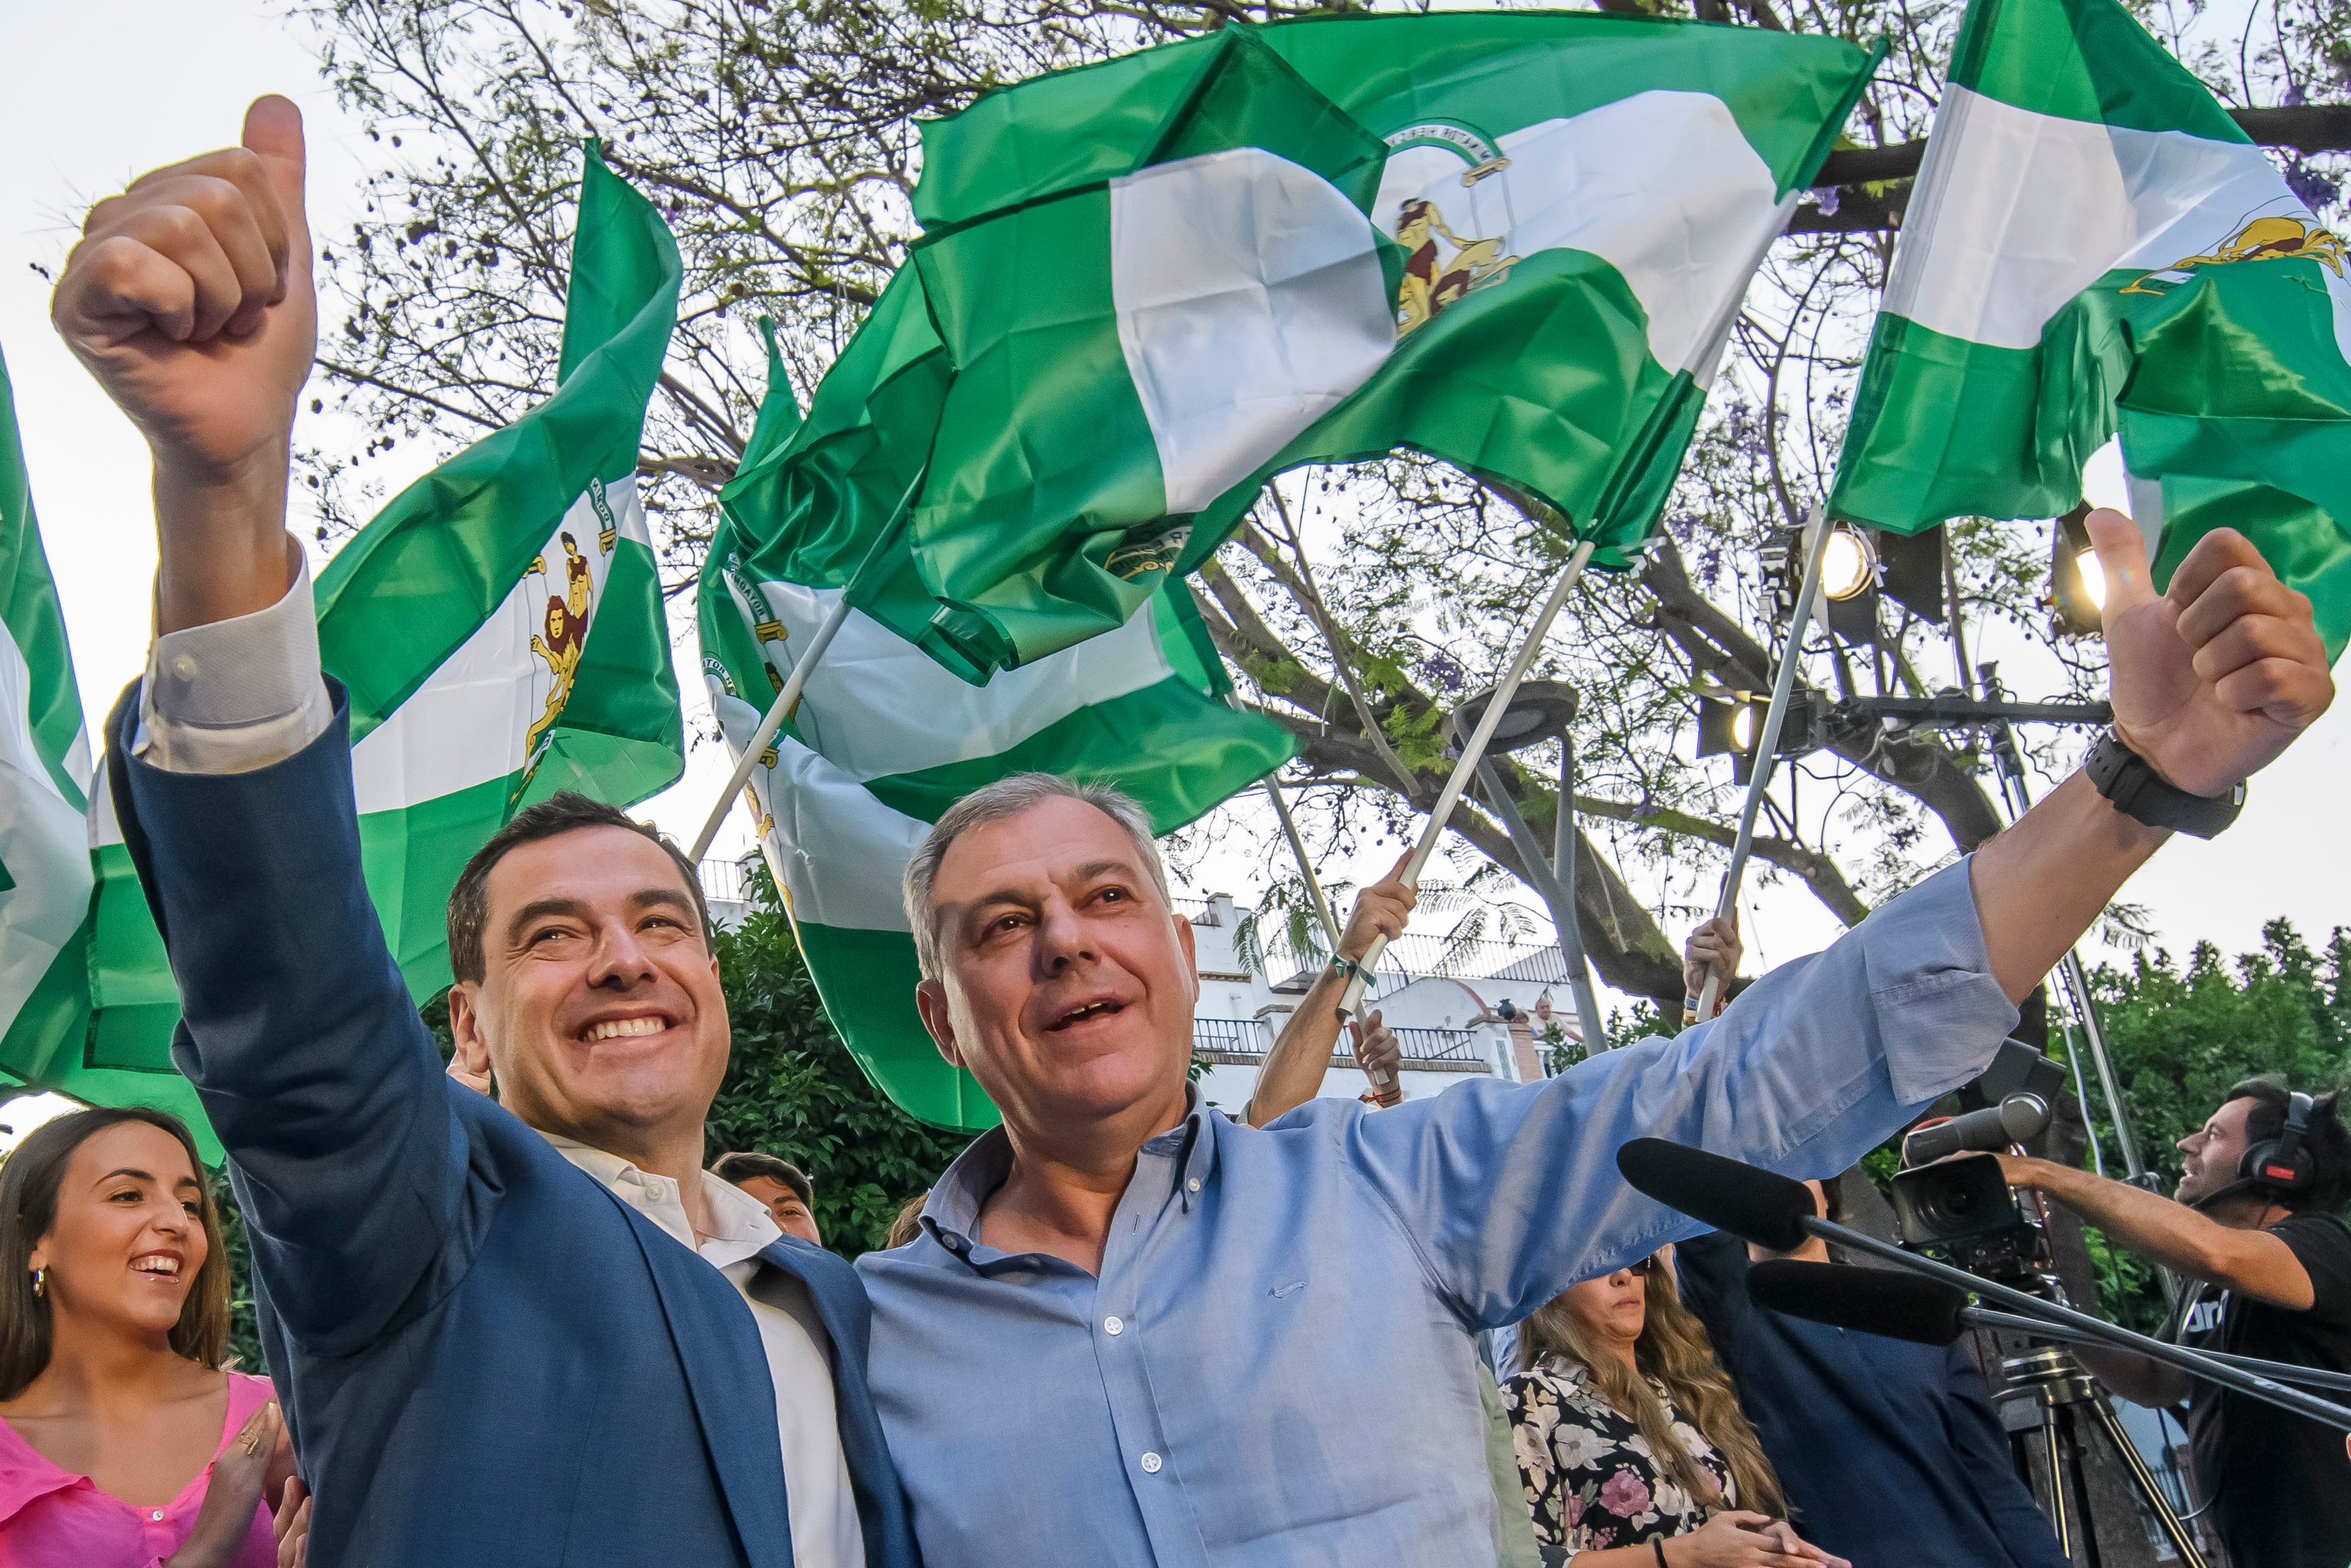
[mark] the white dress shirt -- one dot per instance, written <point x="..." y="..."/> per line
<point x="237" y="695"/>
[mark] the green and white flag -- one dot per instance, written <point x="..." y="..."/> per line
<point x="46" y="874"/>
<point x="2094" y="245"/>
<point x="1515" y="242"/>
<point x="884" y="741"/>
<point x="499" y="628"/>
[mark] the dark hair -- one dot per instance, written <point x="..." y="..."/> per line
<point x="30" y="1179"/>
<point x="563" y="813"/>
<point x="744" y="1165"/>
<point x="2329" y="1145"/>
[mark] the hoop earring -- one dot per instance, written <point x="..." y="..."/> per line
<point x="40" y="1281"/>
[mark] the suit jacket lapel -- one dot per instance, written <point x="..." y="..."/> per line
<point x="841" y="1306"/>
<point x="734" y="1394"/>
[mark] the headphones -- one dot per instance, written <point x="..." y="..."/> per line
<point x="2281" y="1165"/>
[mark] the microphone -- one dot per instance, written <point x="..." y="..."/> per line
<point x="2015" y="1120"/>
<point x="1753" y="1205"/>
<point x="1869" y="1301"/>
<point x="1777" y="1214"/>
<point x="1895" y="1305"/>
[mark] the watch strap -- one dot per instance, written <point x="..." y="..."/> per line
<point x="2131" y="782"/>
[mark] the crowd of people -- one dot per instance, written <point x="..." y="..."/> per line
<point x="511" y="1318"/>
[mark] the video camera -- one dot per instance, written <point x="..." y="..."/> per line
<point x="1963" y="1211"/>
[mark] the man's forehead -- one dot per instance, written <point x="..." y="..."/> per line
<point x="1051" y="841"/>
<point x="588" y="864"/>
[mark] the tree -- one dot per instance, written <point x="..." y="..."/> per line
<point x="1359" y="603"/>
<point x="793" y="1089"/>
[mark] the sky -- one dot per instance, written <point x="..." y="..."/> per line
<point x="79" y="133"/>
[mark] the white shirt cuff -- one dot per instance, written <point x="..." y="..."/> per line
<point x="236" y="695"/>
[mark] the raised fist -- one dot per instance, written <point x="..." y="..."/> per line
<point x="2213" y="679"/>
<point x="190" y="299"/>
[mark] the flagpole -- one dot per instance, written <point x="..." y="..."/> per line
<point x="1351" y="1000"/>
<point x="1272" y="782"/>
<point x="788" y="699"/>
<point x="1816" y="537"/>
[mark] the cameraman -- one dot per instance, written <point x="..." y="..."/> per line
<point x="2266" y="1265"/>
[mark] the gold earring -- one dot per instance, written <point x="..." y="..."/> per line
<point x="41" y="1277"/>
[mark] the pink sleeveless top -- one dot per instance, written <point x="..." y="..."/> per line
<point x="51" y="1518"/>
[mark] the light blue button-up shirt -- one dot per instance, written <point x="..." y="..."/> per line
<point x="1275" y="1365"/>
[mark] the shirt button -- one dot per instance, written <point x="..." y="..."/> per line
<point x="1113" y="1326"/>
<point x="1150" y="1464"/>
<point x="1192" y="1185"/>
<point x="158" y="1515"/>
<point x="184" y="667"/>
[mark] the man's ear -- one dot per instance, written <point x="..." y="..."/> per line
<point x="931" y="1001"/>
<point x="473" y="1053"/>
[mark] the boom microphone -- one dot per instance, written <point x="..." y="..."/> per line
<point x="1869" y="1301"/>
<point x="2015" y="1120"/>
<point x="1753" y="1205"/>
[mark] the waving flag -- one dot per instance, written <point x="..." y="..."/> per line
<point x="884" y="741"/>
<point x="1514" y="242"/>
<point x="2094" y="246"/>
<point x="46" y="876"/>
<point x="500" y="628"/>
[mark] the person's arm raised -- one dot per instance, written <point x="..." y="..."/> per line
<point x="1293" y="1069"/>
<point x="2209" y="681"/>
<point x="190" y="299"/>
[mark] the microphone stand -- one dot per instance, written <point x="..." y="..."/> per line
<point x="2284" y="1371"/>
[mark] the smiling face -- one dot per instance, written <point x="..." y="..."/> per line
<point x="599" y="1009"/>
<point x="127" y="1239"/>
<point x="2209" y="1157"/>
<point x="1610" y="1311"/>
<point x="1067" y="983"/>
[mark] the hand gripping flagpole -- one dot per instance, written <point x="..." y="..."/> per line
<point x="1351" y="1000"/>
<point x="1817" y="536"/>
<point x="788" y="699"/>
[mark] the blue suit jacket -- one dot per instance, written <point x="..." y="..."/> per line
<point x="485" y="1356"/>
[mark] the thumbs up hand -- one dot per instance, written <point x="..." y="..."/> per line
<point x="2213" y="679"/>
<point x="190" y="299"/>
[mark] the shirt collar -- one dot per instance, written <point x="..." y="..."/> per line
<point x="740" y="1224"/>
<point x="951" y="1214"/>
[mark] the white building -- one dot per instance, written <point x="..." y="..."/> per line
<point x="1452" y="1024"/>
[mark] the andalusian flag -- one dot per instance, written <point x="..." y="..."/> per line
<point x="1516" y="242"/>
<point x="46" y="876"/>
<point x="499" y="628"/>
<point x="884" y="741"/>
<point x="2094" y="245"/>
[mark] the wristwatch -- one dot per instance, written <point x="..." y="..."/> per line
<point x="2131" y="782"/>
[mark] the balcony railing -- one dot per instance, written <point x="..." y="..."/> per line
<point x="725" y="882"/>
<point x="1248" y="1039"/>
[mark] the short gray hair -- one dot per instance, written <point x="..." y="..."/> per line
<point x="1011" y="796"/>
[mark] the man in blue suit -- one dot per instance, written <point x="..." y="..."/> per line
<point x="492" y="1331"/>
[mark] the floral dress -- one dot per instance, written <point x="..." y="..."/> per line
<point x="1592" y="1478"/>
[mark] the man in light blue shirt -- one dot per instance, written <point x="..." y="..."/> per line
<point x="1136" y="1333"/>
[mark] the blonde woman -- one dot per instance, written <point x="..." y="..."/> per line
<point x="1630" y="1438"/>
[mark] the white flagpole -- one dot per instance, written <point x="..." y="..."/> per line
<point x="1351" y="1000"/>
<point x="1815" y="539"/>
<point x="777" y="711"/>
<point x="789" y="699"/>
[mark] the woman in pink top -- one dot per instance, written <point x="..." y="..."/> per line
<point x="123" y="1443"/>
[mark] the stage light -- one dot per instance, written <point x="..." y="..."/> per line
<point x="1848" y="565"/>
<point x="2094" y="578"/>
<point x="2077" y="583"/>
